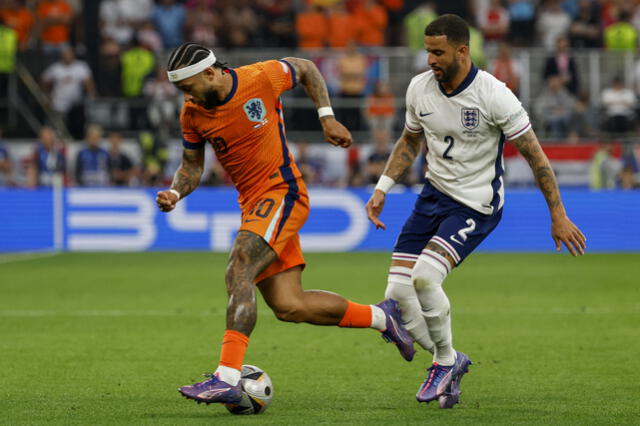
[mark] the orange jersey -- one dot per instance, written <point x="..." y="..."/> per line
<point x="247" y="130"/>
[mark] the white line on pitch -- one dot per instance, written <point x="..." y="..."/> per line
<point x="20" y="257"/>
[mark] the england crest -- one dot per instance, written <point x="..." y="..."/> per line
<point x="255" y="110"/>
<point x="470" y="118"/>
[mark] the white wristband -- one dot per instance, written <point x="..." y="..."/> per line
<point x="176" y="193"/>
<point x="385" y="183"/>
<point x="324" y="111"/>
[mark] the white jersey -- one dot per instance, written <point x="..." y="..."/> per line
<point x="465" y="133"/>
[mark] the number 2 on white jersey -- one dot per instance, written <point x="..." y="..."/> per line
<point x="464" y="231"/>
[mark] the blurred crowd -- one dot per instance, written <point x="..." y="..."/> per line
<point x="108" y="49"/>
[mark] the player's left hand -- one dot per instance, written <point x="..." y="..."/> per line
<point x="566" y="232"/>
<point x="335" y="133"/>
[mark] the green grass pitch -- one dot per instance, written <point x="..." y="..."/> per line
<point x="108" y="338"/>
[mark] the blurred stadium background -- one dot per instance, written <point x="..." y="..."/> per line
<point x="90" y="130"/>
<point x="89" y="122"/>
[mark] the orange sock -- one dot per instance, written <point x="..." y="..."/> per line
<point x="356" y="316"/>
<point x="234" y="345"/>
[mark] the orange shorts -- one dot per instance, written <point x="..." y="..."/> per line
<point x="277" y="216"/>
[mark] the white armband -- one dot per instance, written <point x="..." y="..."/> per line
<point x="176" y="193"/>
<point x="324" y="111"/>
<point x="385" y="183"/>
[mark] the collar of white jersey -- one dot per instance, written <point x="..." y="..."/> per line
<point x="465" y="83"/>
<point x="191" y="70"/>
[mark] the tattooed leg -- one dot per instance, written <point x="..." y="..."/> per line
<point x="249" y="256"/>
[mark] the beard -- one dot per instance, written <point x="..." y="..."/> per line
<point x="450" y="72"/>
<point x="211" y="99"/>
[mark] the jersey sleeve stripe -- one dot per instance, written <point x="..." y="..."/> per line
<point x="519" y="132"/>
<point x="412" y="130"/>
<point x="293" y="73"/>
<point x="191" y="145"/>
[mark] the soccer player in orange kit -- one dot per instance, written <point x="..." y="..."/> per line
<point x="239" y="113"/>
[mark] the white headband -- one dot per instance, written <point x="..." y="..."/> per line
<point x="191" y="70"/>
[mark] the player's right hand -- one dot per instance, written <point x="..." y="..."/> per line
<point x="335" y="133"/>
<point x="374" y="208"/>
<point x="166" y="200"/>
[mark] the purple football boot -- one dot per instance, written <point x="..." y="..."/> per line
<point x="443" y="382"/>
<point x="212" y="390"/>
<point x="451" y="396"/>
<point x="395" y="332"/>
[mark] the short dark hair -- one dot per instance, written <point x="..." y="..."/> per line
<point x="189" y="54"/>
<point x="452" y="26"/>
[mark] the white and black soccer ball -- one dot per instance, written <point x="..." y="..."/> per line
<point x="257" y="391"/>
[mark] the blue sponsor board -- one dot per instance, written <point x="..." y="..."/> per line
<point x="128" y="220"/>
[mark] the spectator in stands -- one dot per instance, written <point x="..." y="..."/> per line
<point x="378" y="157"/>
<point x="522" y="15"/>
<point x="505" y="68"/>
<point x="341" y="26"/>
<point x="553" y="22"/>
<point x="8" y="51"/>
<point x="352" y="69"/>
<point x="584" y="118"/>
<point x="370" y="20"/>
<point x="585" y="30"/>
<point x="67" y="81"/>
<point x="107" y="73"/>
<point x="162" y="95"/>
<point x="121" y="170"/>
<point x="381" y="108"/>
<point x="416" y="21"/>
<point x="605" y="168"/>
<point x="169" y="18"/>
<point x="554" y="108"/>
<point x="562" y="64"/>
<point x="629" y="177"/>
<point x="120" y="19"/>
<point x="6" y="167"/>
<point x="92" y="161"/>
<point x="310" y="166"/>
<point x="622" y="35"/>
<point x="495" y="22"/>
<point x="201" y="23"/>
<point x="311" y="27"/>
<point x="136" y="64"/>
<point x="149" y="37"/>
<point x="277" y="19"/>
<point x="47" y="161"/>
<point x="17" y="16"/>
<point x="54" y="19"/>
<point x="241" y="24"/>
<point x="154" y="157"/>
<point x="618" y="104"/>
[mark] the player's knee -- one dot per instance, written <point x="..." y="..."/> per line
<point x="290" y="312"/>
<point x="430" y="270"/>
<point x="399" y="286"/>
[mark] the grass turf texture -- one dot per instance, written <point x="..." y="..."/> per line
<point x="108" y="339"/>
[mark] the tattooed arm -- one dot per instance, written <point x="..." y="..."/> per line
<point x="562" y="229"/>
<point x="309" y="76"/>
<point x="402" y="157"/>
<point x="185" y="181"/>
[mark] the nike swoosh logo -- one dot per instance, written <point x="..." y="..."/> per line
<point x="424" y="115"/>
<point x="453" y="238"/>
<point x="251" y="220"/>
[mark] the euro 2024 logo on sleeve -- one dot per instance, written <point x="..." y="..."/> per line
<point x="256" y="112"/>
<point x="470" y="118"/>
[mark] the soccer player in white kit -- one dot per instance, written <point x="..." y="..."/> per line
<point x="464" y="115"/>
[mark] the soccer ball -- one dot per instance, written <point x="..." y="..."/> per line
<point x="257" y="392"/>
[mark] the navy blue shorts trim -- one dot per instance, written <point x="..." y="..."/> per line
<point x="457" y="228"/>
